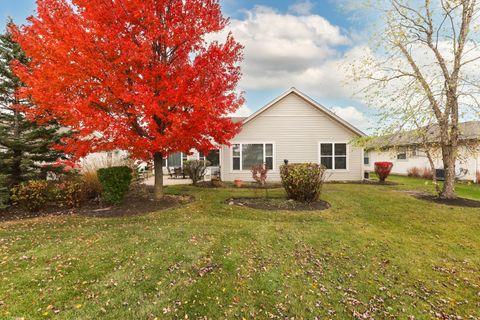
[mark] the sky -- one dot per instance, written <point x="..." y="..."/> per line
<point x="301" y="43"/>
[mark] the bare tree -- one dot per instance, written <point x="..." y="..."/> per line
<point x="428" y="74"/>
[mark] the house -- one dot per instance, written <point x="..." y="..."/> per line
<point x="406" y="150"/>
<point x="297" y="129"/>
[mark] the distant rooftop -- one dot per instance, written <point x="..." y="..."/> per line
<point x="468" y="131"/>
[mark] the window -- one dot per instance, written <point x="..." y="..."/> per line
<point x="184" y="158"/>
<point x="402" y="154"/>
<point x="366" y="159"/>
<point x="333" y="156"/>
<point x="174" y="160"/>
<point x="214" y="158"/>
<point x="246" y="155"/>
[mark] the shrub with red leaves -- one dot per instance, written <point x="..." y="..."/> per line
<point x="383" y="169"/>
<point x="259" y="173"/>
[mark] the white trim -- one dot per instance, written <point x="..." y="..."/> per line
<point x="313" y="103"/>
<point x="333" y="155"/>
<point x="232" y="171"/>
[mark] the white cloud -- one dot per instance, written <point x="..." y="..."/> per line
<point x="353" y="116"/>
<point x="285" y="50"/>
<point x="301" y="8"/>
<point x="243" y="111"/>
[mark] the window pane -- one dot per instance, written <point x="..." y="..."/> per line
<point x="214" y="158"/>
<point x="236" y="150"/>
<point x="340" y="163"/>
<point x="252" y="154"/>
<point x="326" y="149"/>
<point x="340" y="149"/>
<point x="327" y="162"/>
<point x="269" y="150"/>
<point x="175" y="160"/>
<point x="236" y="163"/>
<point x="269" y="162"/>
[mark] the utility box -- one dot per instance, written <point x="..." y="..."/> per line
<point x="440" y="173"/>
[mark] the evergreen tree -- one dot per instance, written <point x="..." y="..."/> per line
<point x="25" y="146"/>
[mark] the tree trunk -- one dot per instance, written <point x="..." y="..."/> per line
<point x="449" y="157"/>
<point x="158" y="167"/>
<point x="434" y="170"/>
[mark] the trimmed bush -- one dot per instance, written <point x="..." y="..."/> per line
<point x="115" y="182"/>
<point x="33" y="195"/>
<point x="71" y="192"/>
<point x="196" y="169"/>
<point x="303" y="181"/>
<point x="383" y="169"/>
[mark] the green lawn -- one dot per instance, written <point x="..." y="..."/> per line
<point x="378" y="252"/>
<point x="465" y="190"/>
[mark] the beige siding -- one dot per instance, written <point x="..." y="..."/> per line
<point x="295" y="127"/>
<point x="466" y="166"/>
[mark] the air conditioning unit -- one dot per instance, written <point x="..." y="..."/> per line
<point x="440" y="173"/>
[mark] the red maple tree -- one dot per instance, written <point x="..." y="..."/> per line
<point x="136" y="75"/>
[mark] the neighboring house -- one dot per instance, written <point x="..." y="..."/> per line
<point x="406" y="151"/>
<point x="296" y="128"/>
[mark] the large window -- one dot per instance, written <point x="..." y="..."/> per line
<point x="333" y="156"/>
<point x="174" y="160"/>
<point x="246" y="155"/>
<point x="213" y="157"/>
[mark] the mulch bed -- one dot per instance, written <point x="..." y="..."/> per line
<point x="245" y="185"/>
<point x="137" y="202"/>
<point x="276" y="204"/>
<point x="368" y="182"/>
<point x="458" y="202"/>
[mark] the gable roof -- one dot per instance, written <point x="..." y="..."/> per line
<point x="315" y="104"/>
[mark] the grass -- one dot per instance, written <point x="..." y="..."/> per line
<point x="378" y="252"/>
<point x="464" y="189"/>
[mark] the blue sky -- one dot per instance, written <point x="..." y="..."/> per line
<point x="301" y="43"/>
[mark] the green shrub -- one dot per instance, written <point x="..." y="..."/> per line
<point x="196" y="169"/>
<point x="115" y="182"/>
<point x="33" y="195"/>
<point x="303" y="181"/>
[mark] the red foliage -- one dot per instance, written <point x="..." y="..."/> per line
<point x="427" y="173"/>
<point x="413" y="172"/>
<point x="383" y="169"/>
<point x="259" y="173"/>
<point x="67" y="165"/>
<point x="135" y="75"/>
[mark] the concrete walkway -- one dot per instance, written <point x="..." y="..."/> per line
<point x="167" y="181"/>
